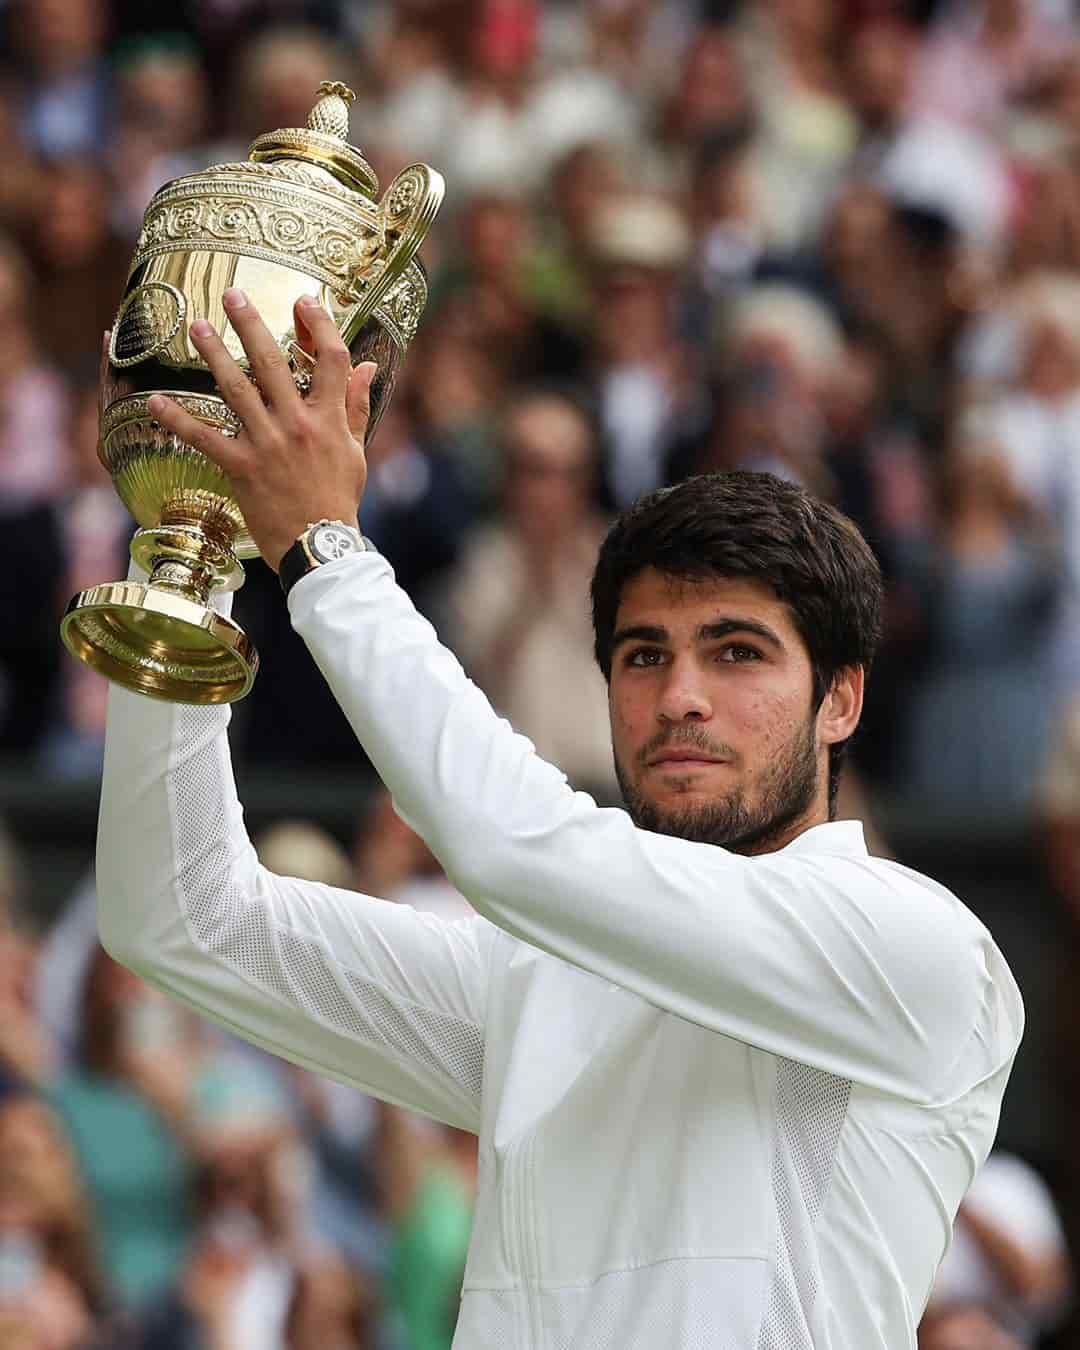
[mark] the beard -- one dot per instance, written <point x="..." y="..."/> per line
<point x="787" y="792"/>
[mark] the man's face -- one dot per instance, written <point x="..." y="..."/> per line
<point x="711" y="721"/>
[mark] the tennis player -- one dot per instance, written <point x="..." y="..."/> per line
<point x="731" y="1075"/>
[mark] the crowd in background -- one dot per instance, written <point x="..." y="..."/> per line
<point x="834" y="239"/>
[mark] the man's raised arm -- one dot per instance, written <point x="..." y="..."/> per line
<point x="373" y="993"/>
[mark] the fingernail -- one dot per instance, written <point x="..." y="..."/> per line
<point x="202" y="328"/>
<point x="308" y="300"/>
<point x="234" y="298"/>
<point x="155" y="404"/>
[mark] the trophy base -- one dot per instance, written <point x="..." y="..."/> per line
<point x="155" y="642"/>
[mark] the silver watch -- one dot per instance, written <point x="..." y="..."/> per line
<point x="321" y="542"/>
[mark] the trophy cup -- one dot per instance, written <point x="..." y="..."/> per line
<point x="302" y="209"/>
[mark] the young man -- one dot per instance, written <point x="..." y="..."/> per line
<point x="731" y="1075"/>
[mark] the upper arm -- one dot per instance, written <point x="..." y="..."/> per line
<point x="863" y="971"/>
<point x="375" y="994"/>
<point x="370" y="992"/>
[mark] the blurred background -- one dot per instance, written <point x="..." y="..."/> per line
<point x="836" y="239"/>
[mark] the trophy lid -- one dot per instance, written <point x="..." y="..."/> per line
<point x="323" y="142"/>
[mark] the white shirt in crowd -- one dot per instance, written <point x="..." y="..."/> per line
<point x="723" y="1103"/>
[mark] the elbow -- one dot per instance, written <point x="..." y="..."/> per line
<point x="118" y="934"/>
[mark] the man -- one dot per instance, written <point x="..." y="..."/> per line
<point x="731" y="1076"/>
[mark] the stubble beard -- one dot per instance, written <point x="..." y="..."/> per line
<point x="786" y="793"/>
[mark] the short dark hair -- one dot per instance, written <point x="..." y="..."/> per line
<point x="758" y="526"/>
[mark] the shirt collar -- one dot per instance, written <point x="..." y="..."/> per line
<point x="835" y="836"/>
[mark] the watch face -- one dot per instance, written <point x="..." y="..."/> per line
<point x="329" y="542"/>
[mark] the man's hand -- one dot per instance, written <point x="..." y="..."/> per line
<point x="297" y="460"/>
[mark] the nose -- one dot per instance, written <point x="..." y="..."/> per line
<point x="684" y="695"/>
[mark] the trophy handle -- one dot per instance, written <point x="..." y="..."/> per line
<point x="409" y="206"/>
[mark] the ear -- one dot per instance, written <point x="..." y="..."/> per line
<point x="841" y="707"/>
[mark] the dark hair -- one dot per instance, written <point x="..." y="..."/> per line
<point x="757" y="526"/>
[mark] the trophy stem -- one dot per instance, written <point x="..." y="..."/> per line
<point x="189" y="557"/>
<point x="162" y="636"/>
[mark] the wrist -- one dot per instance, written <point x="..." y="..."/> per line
<point x="321" y="541"/>
<point x="288" y="537"/>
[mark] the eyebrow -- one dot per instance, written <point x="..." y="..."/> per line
<point x="708" y="632"/>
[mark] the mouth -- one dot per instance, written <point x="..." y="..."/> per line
<point x="683" y="759"/>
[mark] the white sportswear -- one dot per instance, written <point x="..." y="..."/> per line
<point x="723" y="1103"/>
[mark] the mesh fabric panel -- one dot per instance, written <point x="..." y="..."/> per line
<point x="810" y="1111"/>
<point x="296" y="968"/>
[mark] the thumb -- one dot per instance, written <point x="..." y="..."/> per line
<point x="358" y="398"/>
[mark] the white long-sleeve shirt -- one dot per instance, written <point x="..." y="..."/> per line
<point x="723" y="1103"/>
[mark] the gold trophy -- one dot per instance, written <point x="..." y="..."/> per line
<point x="302" y="209"/>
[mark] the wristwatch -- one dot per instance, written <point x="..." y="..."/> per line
<point x="322" y="541"/>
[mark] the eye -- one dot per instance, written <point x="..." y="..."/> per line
<point x="738" y="653"/>
<point x="644" y="657"/>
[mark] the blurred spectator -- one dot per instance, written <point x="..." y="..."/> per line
<point x="1059" y="805"/>
<point x="487" y="291"/>
<point x="337" y="1121"/>
<point x="35" y="473"/>
<point x="807" y="130"/>
<point x="278" y="74"/>
<point x="992" y="582"/>
<point x="428" y="1182"/>
<point x="455" y="400"/>
<point x="968" y="1327"/>
<point x="334" y="1307"/>
<point x="779" y="350"/>
<point x="392" y="862"/>
<point x="519" y="602"/>
<point x="60" y="48"/>
<point x="49" y="1285"/>
<point x="80" y="265"/>
<point x="1034" y="423"/>
<point x="713" y="99"/>
<point x="881" y="62"/>
<point x="643" y="373"/>
<point x="415" y="508"/>
<point x="87" y="532"/>
<point x="979" y="56"/>
<point x="726" y="219"/>
<point x="123" y="1105"/>
<point x="240" y="1272"/>
<point x="33" y="401"/>
<point x="1008" y="1251"/>
<point x="20" y="183"/>
<point x="555" y="273"/>
<point x="163" y="120"/>
<point x="27" y="1055"/>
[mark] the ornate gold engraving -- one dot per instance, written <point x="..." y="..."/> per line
<point x="148" y="321"/>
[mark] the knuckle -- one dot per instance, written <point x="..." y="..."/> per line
<point x="237" y="387"/>
<point x="296" y="424"/>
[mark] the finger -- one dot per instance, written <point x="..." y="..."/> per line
<point x="332" y="367"/>
<point x="358" y="399"/>
<point x="233" y="385"/>
<point x="268" y="362"/>
<point x="221" y="449"/>
<point x="303" y="332"/>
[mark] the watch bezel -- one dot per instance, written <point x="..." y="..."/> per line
<point x="311" y="537"/>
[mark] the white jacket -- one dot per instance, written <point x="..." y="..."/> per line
<point x="724" y="1103"/>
